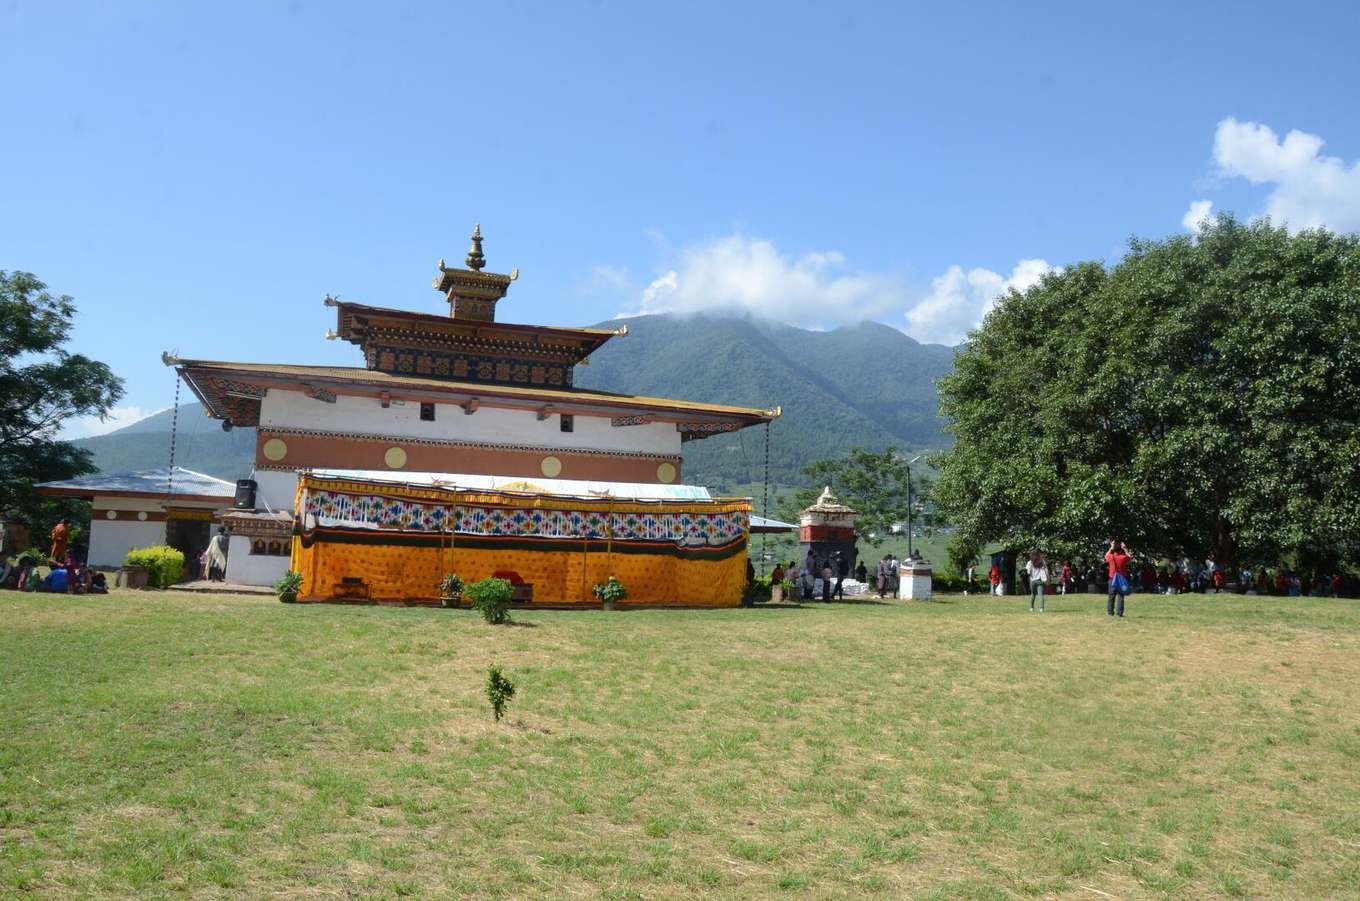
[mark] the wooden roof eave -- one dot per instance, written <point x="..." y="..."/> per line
<point x="90" y="494"/>
<point x="588" y="340"/>
<point x="482" y="395"/>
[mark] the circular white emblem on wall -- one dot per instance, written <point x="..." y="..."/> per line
<point x="111" y="514"/>
<point x="551" y="467"/>
<point x="395" y="458"/>
<point x="275" y="449"/>
<point x="665" y="473"/>
<point x="142" y="516"/>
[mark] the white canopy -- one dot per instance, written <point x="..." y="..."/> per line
<point x="563" y="487"/>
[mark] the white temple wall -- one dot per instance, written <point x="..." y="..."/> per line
<point x="243" y="568"/>
<point x="110" y="540"/>
<point x="282" y="409"/>
<point x="275" y="490"/>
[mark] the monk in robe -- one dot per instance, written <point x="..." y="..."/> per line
<point x="61" y="537"/>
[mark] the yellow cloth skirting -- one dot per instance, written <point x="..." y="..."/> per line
<point x="401" y="540"/>
<point x="559" y="575"/>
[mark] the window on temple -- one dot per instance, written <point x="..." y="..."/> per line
<point x="568" y="422"/>
<point x="427" y="412"/>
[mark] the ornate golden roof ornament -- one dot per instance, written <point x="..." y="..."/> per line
<point x="471" y="293"/>
<point x="475" y="259"/>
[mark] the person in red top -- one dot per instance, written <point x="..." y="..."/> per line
<point x="1118" y="558"/>
<point x="995" y="577"/>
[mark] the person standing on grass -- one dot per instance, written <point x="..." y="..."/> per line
<point x="1066" y="577"/>
<point x="1037" y="570"/>
<point x="995" y="578"/>
<point x="61" y="536"/>
<point x="1118" y="558"/>
<point x="826" y="581"/>
<point x="842" y="573"/>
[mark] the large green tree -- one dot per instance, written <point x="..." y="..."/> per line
<point x="41" y="387"/>
<point x="1200" y="397"/>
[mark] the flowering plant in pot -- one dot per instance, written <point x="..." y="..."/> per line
<point x="288" y="586"/>
<point x="451" y="590"/>
<point x="610" y="592"/>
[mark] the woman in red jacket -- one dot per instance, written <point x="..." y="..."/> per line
<point x="1118" y="558"/>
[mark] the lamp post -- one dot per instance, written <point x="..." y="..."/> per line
<point x="910" y="463"/>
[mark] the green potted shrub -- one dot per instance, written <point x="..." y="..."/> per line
<point x="491" y="598"/>
<point x="610" y="592"/>
<point x="163" y="564"/>
<point x="451" y="590"/>
<point x="288" y="586"/>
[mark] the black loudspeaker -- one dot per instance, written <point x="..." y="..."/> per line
<point x="245" y="494"/>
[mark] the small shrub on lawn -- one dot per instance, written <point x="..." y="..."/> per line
<point x="491" y="597"/>
<point x="288" y="586"/>
<point x="164" y="565"/>
<point x="499" y="691"/>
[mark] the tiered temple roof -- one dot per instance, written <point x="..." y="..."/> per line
<point x="466" y="358"/>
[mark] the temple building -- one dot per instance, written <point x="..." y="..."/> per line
<point x="463" y="446"/>
<point x="177" y="507"/>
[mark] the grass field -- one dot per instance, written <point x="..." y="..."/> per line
<point x="215" y="745"/>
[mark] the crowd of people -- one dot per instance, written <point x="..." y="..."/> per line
<point x="1122" y="571"/>
<point x="67" y="571"/>
<point x="824" y="578"/>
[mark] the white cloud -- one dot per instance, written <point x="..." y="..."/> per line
<point x="1199" y="214"/>
<point x="1308" y="189"/>
<point x="117" y="418"/>
<point x="738" y="274"/>
<point x="958" y="300"/>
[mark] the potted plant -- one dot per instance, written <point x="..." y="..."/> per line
<point x="288" y="586"/>
<point x="451" y="590"/>
<point x="610" y="592"/>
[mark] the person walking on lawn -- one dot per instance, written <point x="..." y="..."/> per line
<point x="1037" y="568"/>
<point x="1118" y="557"/>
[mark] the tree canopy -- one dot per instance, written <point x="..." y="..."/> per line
<point x="42" y="386"/>
<point x="1202" y="396"/>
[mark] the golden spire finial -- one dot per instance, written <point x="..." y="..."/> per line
<point x="475" y="259"/>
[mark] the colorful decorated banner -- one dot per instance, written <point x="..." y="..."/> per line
<point x="330" y="508"/>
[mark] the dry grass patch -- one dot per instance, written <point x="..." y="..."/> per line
<point x="159" y="743"/>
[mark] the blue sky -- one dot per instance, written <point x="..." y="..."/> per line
<point x="198" y="177"/>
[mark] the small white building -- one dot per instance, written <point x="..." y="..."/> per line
<point x="140" y="509"/>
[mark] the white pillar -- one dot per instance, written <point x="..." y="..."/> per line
<point x="915" y="584"/>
